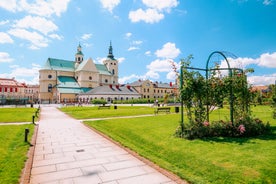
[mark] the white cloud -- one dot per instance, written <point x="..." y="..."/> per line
<point x="110" y="4"/>
<point x="39" y="7"/>
<point x="88" y="45"/>
<point x="171" y="75"/>
<point x="128" y="35"/>
<point x="152" y="74"/>
<point x="133" y="48"/>
<point x="22" y="74"/>
<point x="160" y="66"/>
<point x="161" y="5"/>
<point x="137" y="42"/>
<point x="268" y="60"/>
<point x="40" y="24"/>
<point x="169" y="51"/>
<point x="262" y="80"/>
<point x="9" y="5"/>
<point x="4" y="22"/>
<point x="123" y="80"/>
<point x="5" y="38"/>
<point x="121" y="59"/>
<point x="86" y="36"/>
<point x="267" y="2"/>
<point x="56" y="36"/>
<point x="149" y="16"/>
<point x="36" y="39"/>
<point x="148" y="53"/>
<point x="265" y="60"/>
<point x="5" y="57"/>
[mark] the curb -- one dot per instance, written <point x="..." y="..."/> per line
<point x="169" y="174"/>
<point x="26" y="172"/>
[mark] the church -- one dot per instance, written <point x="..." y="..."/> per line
<point x="61" y="80"/>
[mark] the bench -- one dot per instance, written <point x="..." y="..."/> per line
<point x="162" y="109"/>
<point x="104" y="107"/>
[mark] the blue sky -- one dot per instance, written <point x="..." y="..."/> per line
<point x="145" y="35"/>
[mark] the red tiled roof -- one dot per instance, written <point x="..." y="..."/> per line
<point x="10" y="82"/>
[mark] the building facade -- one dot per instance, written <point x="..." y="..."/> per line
<point x="154" y="90"/>
<point x="62" y="80"/>
<point x="110" y="93"/>
<point x="11" y="90"/>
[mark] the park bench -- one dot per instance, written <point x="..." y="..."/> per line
<point x="162" y="109"/>
<point x="104" y="107"/>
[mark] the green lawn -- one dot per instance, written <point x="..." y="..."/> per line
<point x="13" y="152"/>
<point x="8" y="115"/>
<point x="212" y="160"/>
<point x="94" y="112"/>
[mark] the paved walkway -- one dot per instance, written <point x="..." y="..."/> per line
<point x="68" y="152"/>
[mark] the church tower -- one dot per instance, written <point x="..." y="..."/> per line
<point x="112" y="64"/>
<point x="79" y="55"/>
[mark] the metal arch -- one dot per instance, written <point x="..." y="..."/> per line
<point x="221" y="53"/>
<point x="231" y="90"/>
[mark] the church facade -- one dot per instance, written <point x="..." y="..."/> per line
<point x="61" y="80"/>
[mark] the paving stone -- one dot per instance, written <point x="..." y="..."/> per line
<point x="68" y="152"/>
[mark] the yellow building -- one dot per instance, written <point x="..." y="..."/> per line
<point x="62" y="80"/>
<point x="154" y="90"/>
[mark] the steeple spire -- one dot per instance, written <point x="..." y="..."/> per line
<point x="79" y="54"/>
<point x="110" y="52"/>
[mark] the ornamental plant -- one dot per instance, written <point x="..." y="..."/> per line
<point x="202" y="95"/>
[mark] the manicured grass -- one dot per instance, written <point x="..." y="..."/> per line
<point x="212" y="160"/>
<point x="8" y="115"/>
<point x="94" y="112"/>
<point x="13" y="152"/>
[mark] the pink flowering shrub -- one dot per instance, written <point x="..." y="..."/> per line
<point x="244" y="127"/>
<point x="241" y="129"/>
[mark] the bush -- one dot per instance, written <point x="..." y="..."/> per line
<point x="98" y="101"/>
<point x="245" y="127"/>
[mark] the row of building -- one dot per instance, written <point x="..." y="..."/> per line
<point x="80" y="80"/>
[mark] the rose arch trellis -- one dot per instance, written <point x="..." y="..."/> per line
<point x="207" y="70"/>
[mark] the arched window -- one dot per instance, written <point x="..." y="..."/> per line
<point x="50" y="87"/>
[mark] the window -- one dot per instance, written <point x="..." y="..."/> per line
<point x="90" y="78"/>
<point x="49" y="76"/>
<point x="113" y="71"/>
<point x="50" y="88"/>
<point x="106" y="81"/>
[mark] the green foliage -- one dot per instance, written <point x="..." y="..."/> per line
<point x="13" y="152"/>
<point x="202" y="95"/>
<point x="244" y="127"/>
<point x="98" y="101"/>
